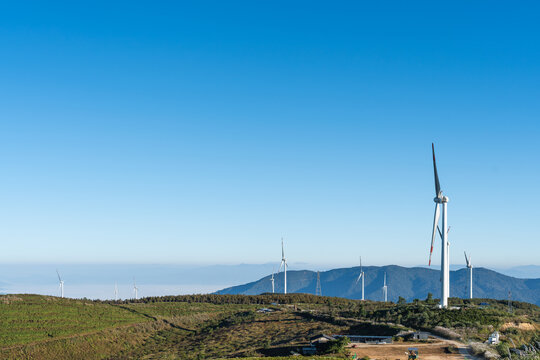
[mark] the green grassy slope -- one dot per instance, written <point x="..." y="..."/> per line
<point x="28" y="318"/>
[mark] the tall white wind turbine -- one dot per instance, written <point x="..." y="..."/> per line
<point x="272" y="279"/>
<point x="469" y="266"/>
<point x="116" y="291"/>
<point x="441" y="201"/>
<point x="61" y="284"/>
<point x="284" y="264"/>
<point x="385" y="289"/>
<point x="135" y="290"/>
<point x="361" y="276"/>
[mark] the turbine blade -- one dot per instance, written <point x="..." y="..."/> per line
<point x="435" y="227"/>
<point x="282" y="250"/>
<point x="359" y="277"/>
<point x="437" y="184"/>
<point x="280" y="265"/>
<point x="466" y="259"/>
<point x="57" y="273"/>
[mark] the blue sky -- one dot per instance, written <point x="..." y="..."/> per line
<point x="202" y="132"/>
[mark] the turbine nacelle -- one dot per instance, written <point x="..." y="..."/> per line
<point x="441" y="199"/>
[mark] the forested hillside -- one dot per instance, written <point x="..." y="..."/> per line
<point x="409" y="283"/>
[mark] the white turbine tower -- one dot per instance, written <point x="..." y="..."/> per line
<point x="135" y="290"/>
<point x="284" y="264"/>
<point x="361" y="276"/>
<point x="385" y="289"/>
<point x="61" y="284"/>
<point x="441" y="200"/>
<point x="116" y="291"/>
<point x="272" y="279"/>
<point x="469" y="266"/>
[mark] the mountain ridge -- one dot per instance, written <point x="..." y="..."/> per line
<point x="410" y="283"/>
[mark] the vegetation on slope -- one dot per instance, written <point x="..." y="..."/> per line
<point x="229" y="326"/>
<point x="30" y="318"/>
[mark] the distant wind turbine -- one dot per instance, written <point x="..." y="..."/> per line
<point x="445" y="251"/>
<point x="284" y="264"/>
<point x="135" y="290"/>
<point x="61" y="284"/>
<point x="469" y="266"/>
<point x="272" y="279"/>
<point x="385" y="289"/>
<point x="116" y="291"/>
<point x="361" y="276"/>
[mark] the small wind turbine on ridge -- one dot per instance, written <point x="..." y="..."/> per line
<point x="361" y="276"/>
<point x="116" y="291"/>
<point x="272" y="279"/>
<point x="284" y="264"/>
<point x="469" y="266"/>
<point x="385" y="289"/>
<point x="61" y="284"/>
<point x="135" y="290"/>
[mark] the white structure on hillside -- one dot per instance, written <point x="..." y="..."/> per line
<point x="494" y="338"/>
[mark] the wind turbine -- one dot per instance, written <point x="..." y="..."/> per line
<point x="441" y="200"/>
<point x="469" y="266"/>
<point x="272" y="279"/>
<point x="361" y="276"/>
<point x="284" y="264"/>
<point x="116" y="291"/>
<point x="61" y="284"/>
<point x="135" y="289"/>
<point x="385" y="289"/>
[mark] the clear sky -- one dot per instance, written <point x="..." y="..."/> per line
<point x="201" y="132"/>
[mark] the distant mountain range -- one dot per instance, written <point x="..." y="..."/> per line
<point x="410" y="283"/>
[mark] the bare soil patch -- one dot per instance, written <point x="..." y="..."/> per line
<point x="521" y="326"/>
<point x="435" y="350"/>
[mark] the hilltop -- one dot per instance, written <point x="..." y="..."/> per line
<point x="410" y="283"/>
<point x="230" y="326"/>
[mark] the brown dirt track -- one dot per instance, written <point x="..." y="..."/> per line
<point x="427" y="351"/>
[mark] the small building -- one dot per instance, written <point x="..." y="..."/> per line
<point x="494" y="338"/>
<point x="315" y="343"/>
<point x="420" y="335"/>
<point x="368" y="339"/>
<point x="309" y="350"/>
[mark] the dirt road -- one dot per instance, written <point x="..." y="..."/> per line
<point x="439" y="349"/>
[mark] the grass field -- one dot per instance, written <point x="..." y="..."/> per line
<point x="31" y="318"/>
